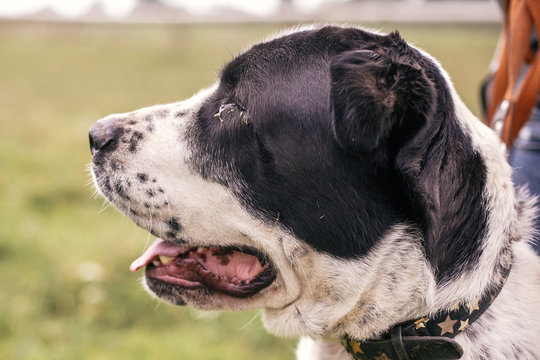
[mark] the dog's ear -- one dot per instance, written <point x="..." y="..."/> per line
<point x="372" y="94"/>
<point x="386" y="109"/>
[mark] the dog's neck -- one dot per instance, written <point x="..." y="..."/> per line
<point x="431" y="335"/>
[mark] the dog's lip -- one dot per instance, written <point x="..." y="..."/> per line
<point x="159" y="247"/>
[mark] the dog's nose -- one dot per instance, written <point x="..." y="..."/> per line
<point x="103" y="134"/>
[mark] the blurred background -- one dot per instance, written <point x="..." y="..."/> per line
<point x="65" y="289"/>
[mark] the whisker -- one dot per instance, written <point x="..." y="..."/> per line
<point x="149" y="227"/>
<point x="106" y="204"/>
<point x="251" y="320"/>
<point x="168" y="205"/>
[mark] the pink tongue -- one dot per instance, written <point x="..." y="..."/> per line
<point x="159" y="247"/>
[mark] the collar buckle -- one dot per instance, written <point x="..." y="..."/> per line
<point x="397" y="342"/>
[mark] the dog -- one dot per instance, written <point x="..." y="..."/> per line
<point x="333" y="178"/>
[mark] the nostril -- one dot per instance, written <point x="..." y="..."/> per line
<point x="98" y="137"/>
<point x="92" y="144"/>
<point x="103" y="134"/>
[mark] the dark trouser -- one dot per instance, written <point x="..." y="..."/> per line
<point x="525" y="161"/>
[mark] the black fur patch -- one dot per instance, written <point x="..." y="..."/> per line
<point x="134" y="140"/>
<point x="121" y="190"/>
<point x="174" y="225"/>
<point x="349" y="133"/>
<point x="142" y="177"/>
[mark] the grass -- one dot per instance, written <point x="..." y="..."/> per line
<point x="66" y="292"/>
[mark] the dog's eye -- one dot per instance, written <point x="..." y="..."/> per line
<point x="232" y="112"/>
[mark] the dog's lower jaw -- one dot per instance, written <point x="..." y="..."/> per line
<point x="210" y="300"/>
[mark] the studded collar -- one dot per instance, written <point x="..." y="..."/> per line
<point x="426" y="338"/>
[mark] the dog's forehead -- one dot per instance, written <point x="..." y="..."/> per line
<point x="284" y="57"/>
<point x="274" y="64"/>
<point x="290" y="51"/>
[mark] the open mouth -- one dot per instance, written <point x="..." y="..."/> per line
<point x="234" y="271"/>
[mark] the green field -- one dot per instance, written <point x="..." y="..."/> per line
<point x="65" y="289"/>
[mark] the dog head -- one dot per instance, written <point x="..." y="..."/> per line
<point x="330" y="177"/>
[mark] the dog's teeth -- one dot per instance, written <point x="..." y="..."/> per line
<point x="200" y="249"/>
<point x="165" y="260"/>
<point x="156" y="262"/>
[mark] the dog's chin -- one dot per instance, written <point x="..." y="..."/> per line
<point x="178" y="295"/>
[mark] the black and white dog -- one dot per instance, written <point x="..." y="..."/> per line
<point x="333" y="178"/>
